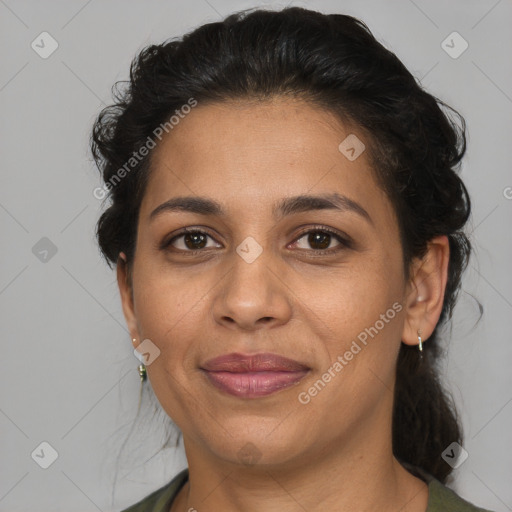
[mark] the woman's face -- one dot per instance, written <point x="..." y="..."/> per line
<point x="259" y="283"/>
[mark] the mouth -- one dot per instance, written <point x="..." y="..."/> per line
<point x="253" y="376"/>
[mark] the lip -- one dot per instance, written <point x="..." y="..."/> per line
<point x="253" y="376"/>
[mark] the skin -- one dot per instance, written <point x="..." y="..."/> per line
<point x="333" y="453"/>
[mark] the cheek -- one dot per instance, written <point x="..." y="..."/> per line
<point x="171" y="318"/>
<point x="167" y="312"/>
<point x="364" y="338"/>
<point x="352" y="299"/>
<point x="358" y="318"/>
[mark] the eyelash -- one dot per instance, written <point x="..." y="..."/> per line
<point x="345" y="241"/>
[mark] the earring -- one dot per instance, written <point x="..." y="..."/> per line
<point x="420" y="344"/>
<point x="142" y="373"/>
<point x="141" y="369"/>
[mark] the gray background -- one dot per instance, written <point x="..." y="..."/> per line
<point x="68" y="374"/>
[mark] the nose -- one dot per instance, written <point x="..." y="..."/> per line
<point x="254" y="295"/>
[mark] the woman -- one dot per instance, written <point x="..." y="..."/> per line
<point x="287" y="225"/>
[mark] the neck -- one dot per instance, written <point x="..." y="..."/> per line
<point x="348" y="479"/>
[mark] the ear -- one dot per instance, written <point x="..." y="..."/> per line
<point x="426" y="289"/>
<point x="124" y="282"/>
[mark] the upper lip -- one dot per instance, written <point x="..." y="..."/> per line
<point x="240" y="363"/>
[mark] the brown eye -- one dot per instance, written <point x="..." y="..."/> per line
<point x="320" y="240"/>
<point x="189" y="241"/>
<point x="195" y="240"/>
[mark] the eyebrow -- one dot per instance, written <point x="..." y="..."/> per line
<point x="285" y="207"/>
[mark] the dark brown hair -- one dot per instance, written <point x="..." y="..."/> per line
<point x="415" y="141"/>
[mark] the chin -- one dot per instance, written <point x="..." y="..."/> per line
<point x="258" y="441"/>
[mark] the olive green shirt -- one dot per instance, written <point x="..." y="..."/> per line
<point x="440" y="499"/>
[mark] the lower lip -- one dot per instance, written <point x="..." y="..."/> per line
<point x="254" y="384"/>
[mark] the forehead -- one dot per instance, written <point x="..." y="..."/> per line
<point x="253" y="152"/>
<point x="236" y="130"/>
